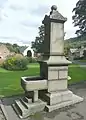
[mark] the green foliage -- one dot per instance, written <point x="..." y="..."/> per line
<point x="79" y="19"/>
<point x="66" y="49"/>
<point x="14" y="63"/>
<point x="37" y="44"/>
<point x="76" y="42"/>
<point x="13" y="48"/>
<point x="31" y="60"/>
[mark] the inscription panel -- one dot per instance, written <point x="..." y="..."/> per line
<point x="57" y="43"/>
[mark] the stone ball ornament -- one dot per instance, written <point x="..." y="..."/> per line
<point x="54" y="7"/>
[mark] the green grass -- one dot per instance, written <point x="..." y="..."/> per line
<point x="77" y="74"/>
<point x="74" y="65"/>
<point x="32" y="65"/>
<point x="10" y="80"/>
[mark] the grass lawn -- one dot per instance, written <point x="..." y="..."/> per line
<point x="10" y="80"/>
<point x="76" y="73"/>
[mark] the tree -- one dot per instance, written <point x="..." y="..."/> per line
<point x="66" y="49"/>
<point x="13" y="48"/>
<point x="79" y="19"/>
<point x="37" y="44"/>
<point x="16" y="48"/>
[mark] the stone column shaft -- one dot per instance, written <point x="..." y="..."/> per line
<point x="35" y="96"/>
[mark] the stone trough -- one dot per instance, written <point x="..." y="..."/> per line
<point x="33" y="83"/>
<point x="31" y="103"/>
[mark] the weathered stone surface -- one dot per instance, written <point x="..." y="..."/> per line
<point x="35" y="96"/>
<point x="66" y="95"/>
<point x="56" y="15"/>
<point x="33" y="85"/>
<point x="56" y="68"/>
<point x="74" y="99"/>
<point x="21" y="109"/>
<point x="56" y="85"/>
<point x="58" y="97"/>
<point x="53" y="73"/>
<point x="28" y="100"/>
<point x="63" y="74"/>
<point x="57" y="39"/>
<point x="57" y="60"/>
<point x="57" y="73"/>
<point x="31" y="109"/>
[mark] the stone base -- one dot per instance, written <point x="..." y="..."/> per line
<point x="53" y="98"/>
<point x="24" y="109"/>
<point x="74" y="99"/>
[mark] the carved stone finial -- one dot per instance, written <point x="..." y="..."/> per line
<point x="54" y="7"/>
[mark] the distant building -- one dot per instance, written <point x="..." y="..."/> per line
<point x="76" y="53"/>
<point x="4" y="52"/>
<point x="28" y="52"/>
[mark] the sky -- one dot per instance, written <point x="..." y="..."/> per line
<point x="20" y="19"/>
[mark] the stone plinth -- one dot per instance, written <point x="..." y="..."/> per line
<point x="54" y="66"/>
<point x="75" y="99"/>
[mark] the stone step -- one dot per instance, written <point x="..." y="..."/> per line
<point x="28" y="100"/>
<point x="21" y="108"/>
<point x="25" y="104"/>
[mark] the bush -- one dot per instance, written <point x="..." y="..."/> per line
<point x="31" y="60"/>
<point x="15" y="63"/>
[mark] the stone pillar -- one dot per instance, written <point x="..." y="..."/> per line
<point x="54" y="65"/>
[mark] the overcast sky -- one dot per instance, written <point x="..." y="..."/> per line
<point x="20" y="19"/>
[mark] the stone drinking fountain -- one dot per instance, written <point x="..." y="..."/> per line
<point x="49" y="91"/>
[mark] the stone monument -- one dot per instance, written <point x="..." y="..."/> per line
<point x="54" y="66"/>
<point x="48" y="91"/>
